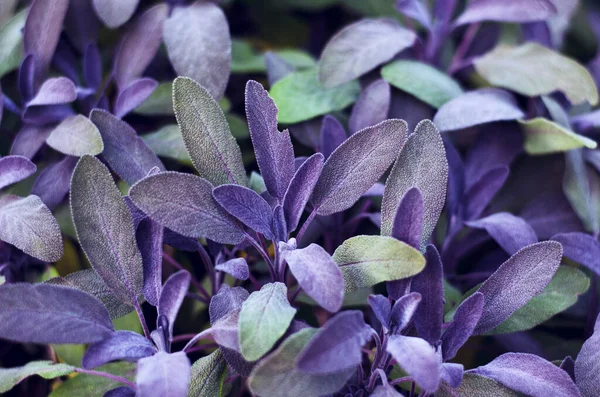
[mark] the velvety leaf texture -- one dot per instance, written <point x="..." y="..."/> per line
<point x="372" y="106"/>
<point x="163" y="374"/>
<point x="208" y="375"/>
<point x="54" y="91"/>
<point x="507" y="11"/>
<point x="461" y="328"/>
<point x="76" y="136"/>
<point x="10" y="377"/>
<point x="114" y="13"/>
<point x="408" y="222"/>
<point x="149" y="236"/>
<point x="429" y="283"/>
<point x="14" y="169"/>
<point x="543" y="136"/>
<point x="473" y="385"/>
<point x="510" y="232"/>
<point x="586" y="374"/>
<point x="237" y="267"/>
<point x="53" y="183"/>
<point x="172" y="295"/>
<point x="581" y="248"/>
<point x="120" y="345"/>
<point x="418" y="358"/>
<point x="134" y="95"/>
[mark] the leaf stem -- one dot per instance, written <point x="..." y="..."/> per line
<point x="305" y="224"/>
<point x="116" y="378"/>
<point x="208" y="264"/>
<point x="264" y="255"/>
<point x="463" y="47"/>
<point x="195" y="282"/>
<point x="140" y="314"/>
<point x="400" y="380"/>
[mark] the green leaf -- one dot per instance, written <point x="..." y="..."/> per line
<point x="277" y="376"/>
<point x="581" y="185"/>
<point x="264" y="318"/>
<point x="369" y="260"/>
<point x="10" y="377"/>
<point x="299" y="96"/>
<point x="208" y="376"/>
<point x="237" y="125"/>
<point x="562" y="292"/>
<point x="213" y="150"/>
<point x="159" y="103"/>
<point x="245" y="59"/>
<point x="70" y="354"/>
<point x="76" y="136"/>
<point x="168" y="142"/>
<point x="533" y="70"/>
<point x="422" y="81"/>
<point x="476" y="386"/>
<point x="84" y="385"/>
<point x="543" y="136"/>
<point x="11" y="43"/>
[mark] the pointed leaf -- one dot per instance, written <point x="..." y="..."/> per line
<point x="586" y="375"/>
<point x="418" y="358"/>
<point x="276" y="67"/>
<point x="134" y="95"/>
<point x="403" y="311"/>
<point x="76" y="136"/>
<point x="105" y="229"/>
<point x="581" y="248"/>
<point x="429" y="315"/>
<point x="54" y="91"/>
<point x="208" y="376"/>
<point x="415" y="9"/>
<point x="14" y="169"/>
<point x="11" y="42"/>
<point x="163" y="374"/>
<point x="479" y="195"/>
<point x="543" y="136"/>
<point x="360" y="47"/>
<point x="172" y="296"/>
<point x="120" y="345"/>
<point x="237" y="267"/>
<point x="372" y="106"/>
<point x="461" y="328"/>
<point x="333" y="135"/>
<point x="382" y="309"/>
<point x="10" y="377"/>
<point x="408" y="222"/>
<point x="149" y="236"/>
<point x="356" y="165"/>
<point x="115" y="13"/>
<point x="53" y="183"/>
<point x="507" y="11"/>
<point x="510" y="232"/>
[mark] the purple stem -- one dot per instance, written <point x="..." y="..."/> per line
<point x="400" y="380"/>
<point x="140" y="314"/>
<point x="195" y="282"/>
<point x="305" y="225"/>
<point x="463" y="47"/>
<point x="116" y="378"/>
<point x="264" y="254"/>
<point x="208" y="265"/>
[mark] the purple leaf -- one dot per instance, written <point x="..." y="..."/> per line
<point x="236" y="267"/>
<point x="422" y="164"/>
<point x="184" y="204"/>
<point x="403" y="311"/>
<point x="332" y="135"/>
<point x="273" y="149"/>
<point x="163" y="374"/>
<point x="382" y="308"/>
<point x="133" y="95"/>
<point x="53" y="183"/>
<point x="54" y="91"/>
<point x="360" y="47"/>
<point x="510" y="232"/>
<point x="279" y="225"/>
<point x="516" y="281"/>
<point x="172" y="296"/>
<point x="42" y="31"/>
<point x="105" y="229"/>
<point x="121" y="391"/>
<point x="29" y="141"/>
<point x="203" y="26"/>
<point x="247" y="206"/>
<point x="418" y="358"/>
<point x="336" y="346"/>
<point x="416" y="10"/>
<point x="408" y="223"/>
<point x="300" y="189"/>
<point x="81" y="24"/>
<point x="14" y="169"/>
<point x="318" y="275"/>
<point x="92" y="66"/>
<point x="119" y="345"/>
<point x="139" y="45"/>
<point x="530" y="375"/>
<point x="452" y="374"/>
<point x="372" y="106"/>
<point x="180" y="242"/>
<point x="356" y="165"/>
<point x="44" y="313"/>
<point x="43" y="115"/>
<point x="549" y="214"/>
<point x="492" y="104"/>
<point x="581" y="248"/>
<point x="225" y="302"/>
<point x="477" y="198"/>
<point x="114" y="13"/>
<point x="507" y="11"/>
<point x="27" y="78"/>
<point x="461" y="328"/>
<point x="225" y="332"/>
<point x="124" y="151"/>
<point x="149" y="236"/>
<point x="586" y="364"/>
<point x="456" y="177"/>
<point x="429" y="283"/>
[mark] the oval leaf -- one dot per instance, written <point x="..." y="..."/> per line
<point x="507" y="11"/>
<point x="14" y="169"/>
<point x="510" y="232"/>
<point x="543" y="136"/>
<point x="120" y="345"/>
<point x="115" y="13"/>
<point x="10" y="377"/>
<point x="208" y="376"/>
<point x="76" y="136"/>
<point x="163" y="374"/>
<point x="372" y="107"/>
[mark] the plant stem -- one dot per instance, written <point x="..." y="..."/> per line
<point x="208" y="265"/>
<point x="305" y="225"/>
<point x="106" y="375"/>
<point x="400" y="380"/>
<point x="264" y="255"/>
<point x="463" y="48"/>
<point x="140" y="314"/>
<point x="195" y="282"/>
<point x="182" y="338"/>
<point x="202" y="347"/>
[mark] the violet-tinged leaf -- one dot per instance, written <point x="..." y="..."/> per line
<point x="54" y="91"/>
<point x="516" y="281"/>
<point x="280" y="232"/>
<point x="568" y="365"/>
<point x="201" y="25"/>
<point x="418" y="358"/>
<point x="507" y="11"/>
<point x="163" y="374"/>
<point x="236" y="267"/>
<point x="28" y="224"/>
<point x="300" y="189"/>
<point x="510" y="232"/>
<point x="452" y="374"/>
<point x="369" y="260"/>
<point x="26" y="79"/>
<point x="213" y="150"/>
<point x="530" y="375"/>
<point x="543" y="136"/>
<point x="76" y="136"/>
<point x="550" y="214"/>
<point x="360" y="47"/>
<point x="382" y="308"/>
<point x="586" y="373"/>
<point x="318" y="275"/>
<point x="461" y="328"/>
<point x="264" y="318"/>
<point x="408" y="222"/>
<point x="114" y="13"/>
<point x="208" y="376"/>
<point x="336" y="346"/>
<point x="10" y="377"/>
<point x="105" y="229"/>
<point x="172" y="295"/>
<point x="139" y="46"/>
<point x="587" y="121"/>
<point x="422" y="164"/>
<point x="44" y="115"/>
<point x="119" y="345"/>
<point x="29" y="141"/>
<point x="81" y="24"/>
<point x="371" y="108"/>
<point x="356" y="165"/>
<point x="52" y="185"/>
<point x="581" y="248"/>
<point x="134" y="95"/>
<point x="149" y="236"/>
<point x="226" y="301"/>
<point x="385" y="390"/>
<point x="332" y="135"/>
<point x="225" y="332"/>
<point x="456" y="178"/>
<point x="121" y="391"/>
<point x="277" y="67"/>
<point x="429" y="283"/>
<point x="43" y="313"/>
<point x="247" y="206"/>
<point x="415" y="9"/>
<point x="124" y="151"/>
<point x="42" y="31"/>
<point x="14" y="169"/>
<point x="277" y="375"/>
<point x="492" y="104"/>
<point x="273" y="149"/>
<point x="477" y="198"/>
<point x="184" y="204"/>
<point x="403" y="311"/>
<point x="92" y="66"/>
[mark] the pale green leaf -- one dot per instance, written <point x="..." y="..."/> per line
<point x="11" y="43"/>
<point x="208" y="375"/>
<point x="245" y="59"/>
<point x="159" y="103"/>
<point x="10" y="377"/>
<point x="543" y="136"/>
<point x="84" y="385"/>
<point x="76" y="136"/>
<point x="168" y="142"/>
<point x="476" y="386"/>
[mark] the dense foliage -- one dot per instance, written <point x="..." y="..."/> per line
<point x="426" y="224"/>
